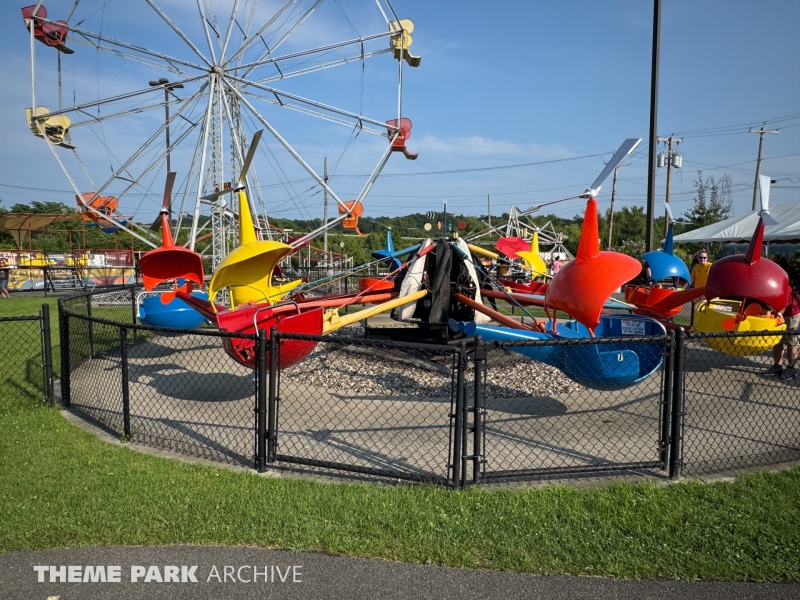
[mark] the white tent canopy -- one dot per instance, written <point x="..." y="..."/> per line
<point x="782" y="225"/>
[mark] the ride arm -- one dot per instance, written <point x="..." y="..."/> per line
<point x="332" y="320"/>
<point x="678" y="299"/>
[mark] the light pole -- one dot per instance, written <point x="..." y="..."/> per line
<point x="651" y="167"/>
<point x="167" y="87"/>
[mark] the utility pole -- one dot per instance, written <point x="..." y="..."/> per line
<point x="761" y="133"/>
<point x="670" y="163"/>
<point x="325" y="207"/>
<point x="613" y="195"/>
<point x="489" y="200"/>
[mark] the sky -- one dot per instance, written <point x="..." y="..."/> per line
<point x="514" y="101"/>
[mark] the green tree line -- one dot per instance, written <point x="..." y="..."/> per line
<point x="711" y="203"/>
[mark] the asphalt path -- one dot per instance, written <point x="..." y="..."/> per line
<point x="228" y="572"/>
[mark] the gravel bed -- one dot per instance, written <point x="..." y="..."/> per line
<point x="389" y="372"/>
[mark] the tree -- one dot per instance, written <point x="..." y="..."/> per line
<point x="45" y="208"/>
<point x="712" y="202"/>
<point x="711" y="205"/>
<point x="629" y="224"/>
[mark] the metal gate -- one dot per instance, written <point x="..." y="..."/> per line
<point x="363" y="406"/>
<point x="558" y="427"/>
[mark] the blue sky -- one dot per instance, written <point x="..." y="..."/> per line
<point x="501" y="84"/>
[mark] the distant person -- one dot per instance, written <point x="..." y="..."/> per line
<point x="556" y="267"/>
<point x="790" y="341"/>
<point x="700" y="270"/>
<point x="4" y="275"/>
<point x="781" y="260"/>
<point x="695" y="262"/>
<point x="648" y="274"/>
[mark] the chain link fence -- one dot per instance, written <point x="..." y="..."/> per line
<point x="373" y="407"/>
<point x="174" y="389"/>
<point x="603" y="409"/>
<point x="26" y="359"/>
<point x="465" y="412"/>
<point x="736" y="413"/>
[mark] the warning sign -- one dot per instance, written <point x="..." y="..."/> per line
<point x="632" y="327"/>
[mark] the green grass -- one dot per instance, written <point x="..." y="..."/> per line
<point x="62" y="487"/>
<point x="20" y="357"/>
<point x="26" y="306"/>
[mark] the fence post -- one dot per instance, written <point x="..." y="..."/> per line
<point x="477" y="439"/>
<point x="91" y="324"/>
<point x="272" y="402"/>
<point x="126" y="404"/>
<point x="676" y="435"/>
<point x="666" y="401"/>
<point x="47" y="354"/>
<point x="261" y="403"/>
<point x="63" y="334"/>
<point x="134" y="312"/>
<point x="459" y="417"/>
<point x="464" y="426"/>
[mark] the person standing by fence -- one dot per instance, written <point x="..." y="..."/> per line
<point x="790" y="341"/>
<point x="700" y="270"/>
<point x="4" y="276"/>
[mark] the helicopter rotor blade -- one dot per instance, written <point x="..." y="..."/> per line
<point x="156" y="225"/>
<point x="763" y="187"/>
<point x="251" y="152"/>
<point x="764" y="182"/>
<point x="626" y="148"/>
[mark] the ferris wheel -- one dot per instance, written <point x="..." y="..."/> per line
<point x="125" y="92"/>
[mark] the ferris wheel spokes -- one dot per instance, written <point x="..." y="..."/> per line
<point x="244" y="162"/>
<point x="204" y="22"/>
<point x="333" y="63"/>
<point x="286" y="35"/>
<point x="202" y="175"/>
<point x="87" y="203"/>
<point x="169" y="62"/>
<point x="155" y="136"/>
<point x="267" y="61"/>
<point x="346" y="113"/>
<point x="257" y="35"/>
<point x="234" y="10"/>
<point x="284" y="143"/>
<point x="180" y="34"/>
